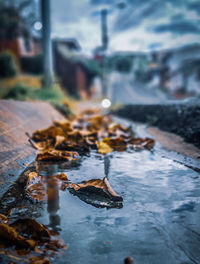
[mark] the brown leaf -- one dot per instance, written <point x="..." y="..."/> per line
<point x="35" y="187"/>
<point x="66" y="125"/>
<point x="97" y="183"/>
<point x="36" y="191"/>
<point x="62" y="176"/>
<point x="142" y="143"/>
<point x="49" y="133"/>
<point x="39" y="260"/>
<point x="57" y="155"/>
<point x="97" y="192"/>
<point x="31" y="229"/>
<point x="43" y="145"/>
<point x="25" y="235"/>
<point x="10" y="235"/>
<point x="41" y="189"/>
<point x="118" y="143"/>
<point x="3" y="219"/>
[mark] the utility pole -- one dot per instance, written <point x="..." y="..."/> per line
<point x="104" y="39"/>
<point x="46" y="41"/>
<point x="104" y="29"/>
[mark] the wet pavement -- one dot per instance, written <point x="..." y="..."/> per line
<point x="159" y="220"/>
<point x="123" y="89"/>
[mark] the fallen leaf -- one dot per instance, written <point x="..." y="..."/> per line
<point x="22" y="239"/>
<point x="118" y="143"/>
<point x="3" y="219"/>
<point x="31" y="229"/>
<point x="97" y="192"/>
<point x="104" y="148"/>
<point x="48" y="133"/>
<point x="35" y="188"/>
<point x="142" y="143"/>
<point x="43" y="145"/>
<point x="42" y="189"/>
<point x="39" y="260"/>
<point x="62" y="176"/>
<point x="57" y="155"/>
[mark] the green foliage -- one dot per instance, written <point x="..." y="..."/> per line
<point x="119" y="62"/>
<point x="52" y="95"/>
<point x="63" y="109"/>
<point x="13" y="24"/>
<point x="21" y="92"/>
<point x="124" y="64"/>
<point x="93" y="67"/>
<point x="8" y="67"/>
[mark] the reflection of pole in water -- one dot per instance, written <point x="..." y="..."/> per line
<point x="106" y="165"/>
<point x="53" y="203"/>
<point x="53" y="198"/>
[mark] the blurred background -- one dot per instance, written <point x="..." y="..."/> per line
<point x="128" y="51"/>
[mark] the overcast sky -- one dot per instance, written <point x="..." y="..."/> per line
<point x="142" y="25"/>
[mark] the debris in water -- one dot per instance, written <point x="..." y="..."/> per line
<point x="96" y="192"/>
<point x="27" y="239"/>
<point x="90" y="130"/>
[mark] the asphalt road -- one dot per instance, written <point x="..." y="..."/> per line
<point x="122" y="89"/>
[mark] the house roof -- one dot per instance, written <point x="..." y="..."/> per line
<point x="72" y="44"/>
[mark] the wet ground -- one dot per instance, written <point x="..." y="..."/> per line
<point x="158" y="223"/>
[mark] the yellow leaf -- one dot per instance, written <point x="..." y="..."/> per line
<point x="104" y="148"/>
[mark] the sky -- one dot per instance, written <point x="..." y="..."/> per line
<point x="142" y="25"/>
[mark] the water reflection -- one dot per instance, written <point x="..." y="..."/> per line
<point x="158" y="221"/>
<point x="52" y="194"/>
<point x="106" y="165"/>
<point x="53" y="204"/>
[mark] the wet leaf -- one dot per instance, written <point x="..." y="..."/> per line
<point x="35" y="188"/>
<point x="49" y="133"/>
<point x="142" y="143"/>
<point x="97" y="192"/>
<point x="22" y="239"/>
<point x="36" y="191"/>
<point x="57" y="155"/>
<point x="118" y="143"/>
<point x="31" y="229"/>
<point x="89" y="130"/>
<point x="119" y="130"/>
<point x="58" y="141"/>
<point x="3" y="219"/>
<point x="43" y="145"/>
<point x="39" y="260"/>
<point x="104" y="148"/>
<point x="66" y="125"/>
<point x="9" y="234"/>
<point x="40" y="189"/>
<point x="62" y="176"/>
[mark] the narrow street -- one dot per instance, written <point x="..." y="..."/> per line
<point x="123" y="90"/>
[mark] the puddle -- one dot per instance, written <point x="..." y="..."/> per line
<point x="158" y="221"/>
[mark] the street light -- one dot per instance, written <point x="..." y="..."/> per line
<point x="37" y="25"/>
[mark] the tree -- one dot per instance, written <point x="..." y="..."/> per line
<point x="13" y="22"/>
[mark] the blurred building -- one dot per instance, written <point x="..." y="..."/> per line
<point x="175" y="71"/>
<point x="72" y="71"/>
<point x="74" y="75"/>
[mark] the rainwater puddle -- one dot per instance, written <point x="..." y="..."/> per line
<point x="159" y="220"/>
